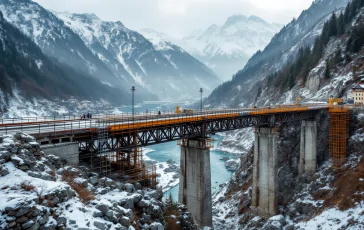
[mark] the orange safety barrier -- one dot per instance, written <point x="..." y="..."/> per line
<point x="281" y="109"/>
<point x="173" y="121"/>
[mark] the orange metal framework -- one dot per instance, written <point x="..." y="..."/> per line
<point x="163" y="122"/>
<point x="173" y="121"/>
<point x="131" y="165"/>
<point x="338" y="134"/>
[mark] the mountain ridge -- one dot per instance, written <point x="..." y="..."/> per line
<point x="227" y="47"/>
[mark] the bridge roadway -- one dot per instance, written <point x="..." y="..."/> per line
<point x="148" y="129"/>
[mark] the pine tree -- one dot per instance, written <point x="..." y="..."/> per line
<point x="340" y="24"/>
<point x="169" y="202"/>
<point x="327" y="70"/>
<point x="291" y="80"/>
<point x="332" y="26"/>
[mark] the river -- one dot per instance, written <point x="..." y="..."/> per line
<point x="166" y="151"/>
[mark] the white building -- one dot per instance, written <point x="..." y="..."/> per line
<point x="358" y="93"/>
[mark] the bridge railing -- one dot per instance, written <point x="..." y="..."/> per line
<point x="73" y="125"/>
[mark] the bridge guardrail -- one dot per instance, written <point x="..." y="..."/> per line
<point x="76" y="125"/>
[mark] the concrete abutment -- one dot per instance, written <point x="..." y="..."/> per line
<point x="66" y="151"/>
<point x="195" y="180"/>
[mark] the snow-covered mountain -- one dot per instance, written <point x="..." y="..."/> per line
<point x="27" y="73"/>
<point x="109" y="51"/>
<point x="54" y="38"/>
<point x="162" y="68"/>
<point x="226" y="48"/>
<point x="283" y="48"/>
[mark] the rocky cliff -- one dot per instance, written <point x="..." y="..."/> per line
<point x="304" y="202"/>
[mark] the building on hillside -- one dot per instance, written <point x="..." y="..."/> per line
<point x="358" y="93"/>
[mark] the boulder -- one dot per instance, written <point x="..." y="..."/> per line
<point x="94" y="180"/>
<point x="156" y="226"/>
<point x="109" y="182"/>
<point x="3" y="171"/>
<point x="23" y="210"/>
<point x="137" y="186"/>
<point x="36" y="226"/>
<point x="124" y="221"/>
<point x="109" y="213"/>
<point x="154" y="210"/>
<point x="155" y="194"/>
<point x="28" y="224"/>
<point x="62" y="220"/>
<point x="130" y="214"/>
<point x="137" y="197"/>
<point x="128" y="203"/>
<point x="21" y="220"/>
<point x="100" y="225"/>
<point x="143" y="203"/>
<point x="129" y="188"/>
<point x="5" y="155"/>
<point x="119" y="185"/>
<point x="102" y="207"/>
<point x="97" y="213"/>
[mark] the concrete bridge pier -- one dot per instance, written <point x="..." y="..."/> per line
<point x="264" y="194"/>
<point x="195" y="179"/>
<point x="308" y="149"/>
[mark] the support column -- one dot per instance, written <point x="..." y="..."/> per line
<point x="195" y="180"/>
<point x="264" y="194"/>
<point x="308" y="151"/>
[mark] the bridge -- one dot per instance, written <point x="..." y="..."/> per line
<point x="115" y="140"/>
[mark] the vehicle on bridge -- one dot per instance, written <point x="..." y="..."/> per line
<point x="335" y="101"/>
<point x="184" y="111"/>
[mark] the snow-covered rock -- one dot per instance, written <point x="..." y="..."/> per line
<point x="65" y="199"/>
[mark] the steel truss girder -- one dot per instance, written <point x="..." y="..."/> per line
<point x="155" y="135"/>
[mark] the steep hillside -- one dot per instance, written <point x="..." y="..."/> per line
<point x="167" y="71"/>
<point x="55" y="39"/>
<point x="25" y="68"/>
<point x="330" y="199"/>
<point x="283" y="48"/>
<point x="226" y="48"/>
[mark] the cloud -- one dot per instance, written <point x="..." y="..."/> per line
<point x="179" y="17"/>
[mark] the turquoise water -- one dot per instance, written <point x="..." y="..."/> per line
<point x="170" y="150"/>
<point x="219" y="173"/>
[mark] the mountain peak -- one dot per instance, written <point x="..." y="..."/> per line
<point x="239" y="18"/>
<point x="254" y="18"/>
<point x="91" y="16"/>
<point x="236" y="18"/>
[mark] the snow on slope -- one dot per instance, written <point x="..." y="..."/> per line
<point x="53" y="37"/>
<point x="153" y="64"/>
<point x="42" y="193"/>
<point x="234" y="41"/>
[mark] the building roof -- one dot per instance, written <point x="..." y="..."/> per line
<point x="359" y="86"/>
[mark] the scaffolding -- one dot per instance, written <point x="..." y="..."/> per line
<point x="338" y="134"/>
<point x="100" y="158"/>
<point x="131" y="168"/>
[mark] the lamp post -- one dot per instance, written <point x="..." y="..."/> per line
<point x="201" y="91"/>
<point x="132" y="101"/>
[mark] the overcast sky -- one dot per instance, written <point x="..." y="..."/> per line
<point x="180" y="17"/>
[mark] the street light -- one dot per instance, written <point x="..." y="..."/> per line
<point x="201" y="91"/>
<point x="132" y="101"/>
